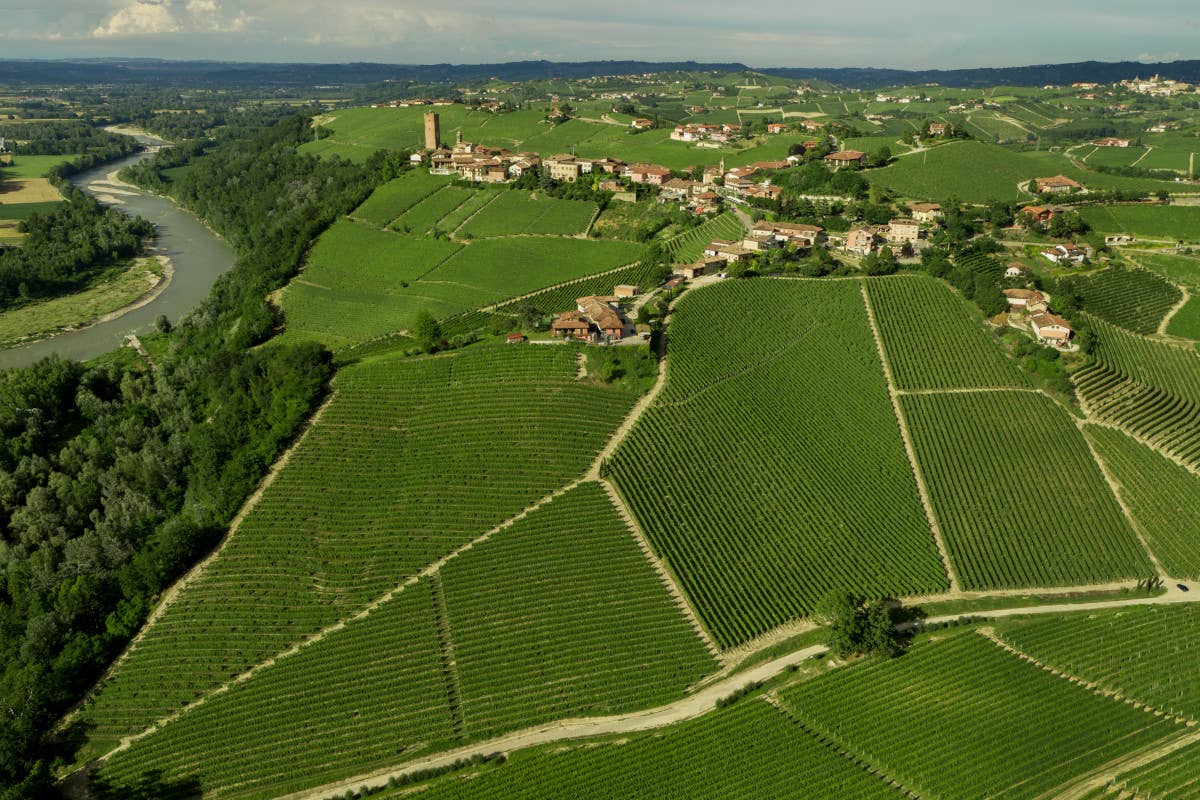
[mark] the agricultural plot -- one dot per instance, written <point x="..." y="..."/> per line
<point x="1019" y="497"/>
<point x="562" y="298"/>
<point x="1145" y="653"/>
<point x="959" y="717"/>
<point x="1170" y="223"/>
<point x="748" y="751"/>
<point x="1111" y="156"/>
<point x="1161" y="495"/>
<point x="1134" y="299"/>
<point x="562" y="616"/>
<point x="423" y="218"/>
<point x="1176" y="775"/>
<point x="411" y="460"/>
<point x="478" y="199"/>
<point x="1171" y="151"/>
<point x="689" y="246"/>
<point x="1148" y="388"/>
<point x="516" y="212"/>
<point x="934" y="340"/>
<point x="397" y="196"/>
<point x="768" y="469"/>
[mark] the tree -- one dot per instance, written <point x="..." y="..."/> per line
<point x="427" y="332"/>
<point x="856" y="626"/>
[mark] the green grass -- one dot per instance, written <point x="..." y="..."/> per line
<point x="113" y="290"/>
<point x="412" y="460"/>
<point x="1172" y="223"/>
<point x="1162" y="496"/>
<point x="516" y="212"/>
<point x="33" y="166"/>
<point x="1135" y="299"/>
<point x="759" y="511"/>
<point x="23" y="211"/>
<point x="1146" y="653"/>
<point x="934" y="339"/>
<point x="396" y="196"/>
<point x="959" y="717"/>
<point x="1019" y="498"/>
<point x="750" y="750"/>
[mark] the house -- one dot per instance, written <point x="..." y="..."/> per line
<point x="757" y="245"/>
<point x="600" y="312"/>
<point x="794" y="232"/>
<point x="1064" y="252"/>
<point x="571" y="325"/>
<point x="677" y="189"/>
<point x="515" y="338"/>
<point x="730" y="251"/>
<point x="1058" y="184"/>
<point x="562" y="167"/>
<point x="903" y="231"/>
<point x="1111" y="141"/>
<point x="1119" y="238"/>
<point x="1040" y="213"/>
<point x="1025" y="299"/>
<point x="1051" y="329"/>
<point x="704" y="266"/>
<point x="925" y="212"/>
<point x="625" y="290"/>
<point x="1014" y="270"/>
<point x="776" y="127"/>
<point x="648" y="173"/>
<point x="846" y="158"/>
<point x="860" y="240"/>
<point x="937" y="129"/>
<point x="642" y="124"/>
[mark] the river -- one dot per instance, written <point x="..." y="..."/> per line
<point x="197" y="256"/>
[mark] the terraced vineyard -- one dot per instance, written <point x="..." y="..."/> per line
<point x="1146" y="653"/>
<point x="746" y="752"/>
<point x="558" y="616"/>
<point x="1135" y="299"/>
<point x="690" y="245"/>
<point x="1148" y="388"/>
<point x="933" y="338"/>
<point x="1162" y="496"/>
<point x="478" y="436"/>
<point x="959" y="717"/>
<point x="517" y="212"/>
<point x="763" y="484"/>
<point x="1019" y="497"/>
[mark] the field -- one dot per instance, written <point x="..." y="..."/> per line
<point x="1161" y="495"/>
<point x="27" y="191"/>
<point x="478" y="436"/>
<point x="112" y="291"/>
<point x="24" y="167"/>
<point x="759" y="512"/>
<point x="557" y="616"/>
<point x="935" y="340"/>
<point x="1147" y="654"/>
<point x="959" y="717"/>
<point x="1170" y="223"/>
<point x="1149" y="388"/>
<point x="1134" y="299"/>
<point x="748" y="751"/>
<point x="515" y="212"/>
<point x="395" y="197"/>
<point x="1020" y="500"/>
<point x="423" y="218"/>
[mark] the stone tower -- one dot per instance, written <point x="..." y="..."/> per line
<point x="433" y="132"/>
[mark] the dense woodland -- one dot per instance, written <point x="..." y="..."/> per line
<point x="115" y="478"/>
<point x="64" y="138"/>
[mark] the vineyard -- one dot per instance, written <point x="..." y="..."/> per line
<point x="1135" y="299"/>
<point x="762" y="480"/>
<point x="985" y="264"/>
<point x="1176" y="775"/>
<point x="959" y="717"/>
<point x="1162" y="496"/>
<point x="747" y="752"/>
<point x="478" y="436"/>
<point x="1146" y="653"/>
<point x="516" y="212"/>
<point x="397" y="196"/>
<point x="934" y="339"/>
<point x="1148" y="388"/>
<point x="1019" y="497"/>
<point x="423" y="218"/>
<point x="689" y="245"/>
<point x="558" y="616"/>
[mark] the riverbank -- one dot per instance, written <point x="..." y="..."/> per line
<point x="105" y="301"/>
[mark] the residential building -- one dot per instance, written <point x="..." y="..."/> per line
<point x="642" y="124"/>
<point x="925" y="212"/>
<point x="600" y="311"/>
<point x="1025" y="299"/>
<point x="562" y="167"/>
<point x="571" y="325"/>
<point x="1051" y="329"/>
<point x="860" y="240"/>
<point x="1058" y="184"/>
<point x="903" y="231"/>
<point x="776" y="127"/>
<point x="1040" y="213"/>
<point x="651" y="174"/>
<point x="625" y="290"/>
<point x="1014" y="270"/>
<point x="846" y="158"/>
<point x="1111" y="141"/>
<point x="1064" y="252"/>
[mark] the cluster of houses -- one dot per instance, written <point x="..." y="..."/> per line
<point x="1111" y="141"/>
<point x="1157" y="87"/>
<point x="597" y="318"/>
<point x="1034" y="306"/>
<point x="724" y="132"/>
<point x="417" y="101"/>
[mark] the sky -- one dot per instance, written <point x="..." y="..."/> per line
<point x="762" y="33"/>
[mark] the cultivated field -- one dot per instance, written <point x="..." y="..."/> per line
<point x="515" y="212"/>
<point x="1135" y="299"/>
<point x="1170" y="223"/>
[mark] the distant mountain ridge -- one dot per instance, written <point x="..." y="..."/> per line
<point x="182" y="73"/>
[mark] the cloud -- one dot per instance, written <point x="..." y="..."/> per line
<point x="140" y="18"/>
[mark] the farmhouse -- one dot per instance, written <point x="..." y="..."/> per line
<point x="860" y="240"/>
<point x="1111" y="141"/>
<point x="625" y="290"/>
<point x="642" y="124"/>
<point x="806" y="235"/>
<point x="1014" y="270"/>
<point x="776" y="127"/>
<point x="730" y="251"/>
<point x="846" y="158"/>
<point x="601" y="313"/>
<point x="515" y="338"/>
<point x="925" y="212"/>
<point x="1051" y="329"/>
<point x="937" y="129"/>
<point x="1025" y="299"/>
<point x="1058" y="184"/>
<point x="903" y="231"/>
<point x="571" y="325"/>
<point x="1064" y="252"/>
<point x="1040" y="213"/>
<point x="651" y="174"/>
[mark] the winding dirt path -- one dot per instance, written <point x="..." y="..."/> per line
<point x="909" y="448"/>
<point x="1166" y="320"/>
